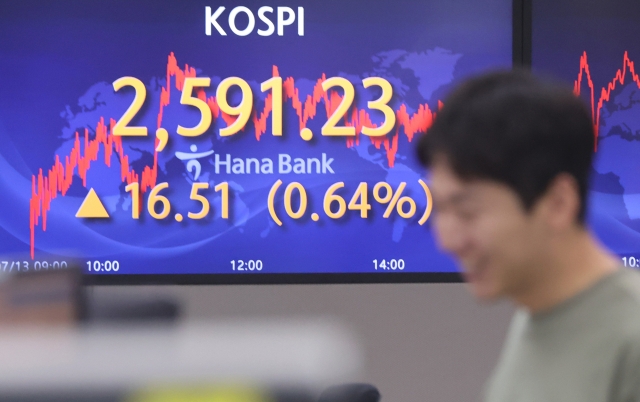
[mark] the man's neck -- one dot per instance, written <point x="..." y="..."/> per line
<point x="575" y="264"/>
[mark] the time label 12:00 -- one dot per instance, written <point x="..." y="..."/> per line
<point x="246" y="265"/>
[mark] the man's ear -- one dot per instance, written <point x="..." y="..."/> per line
<point x="560" y="204"/>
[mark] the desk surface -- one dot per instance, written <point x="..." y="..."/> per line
<point x="307" y="352"/>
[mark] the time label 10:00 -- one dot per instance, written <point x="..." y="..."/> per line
<point x="103" y="266"/>
<point x="244" y="109"/>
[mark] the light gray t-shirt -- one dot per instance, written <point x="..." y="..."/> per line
<point x="587" y="349"/>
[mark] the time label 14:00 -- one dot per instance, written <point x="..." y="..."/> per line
<point x="389" y="265"/>
<point x="295" y="200"/>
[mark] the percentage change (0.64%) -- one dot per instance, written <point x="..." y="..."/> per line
<point x="335" y="205"/>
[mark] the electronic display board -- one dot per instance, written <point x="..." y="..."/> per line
<point x="228" y="141"/>
<point x="591" y="46"/>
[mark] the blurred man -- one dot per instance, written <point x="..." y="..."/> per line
<point x="510" y="157"/>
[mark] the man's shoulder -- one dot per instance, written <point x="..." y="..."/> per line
<point x="622" y="294"/>
<point x="626" y="334"/>
<point x="566" y="351"/>
<point x="619" y="303"/>
<point x="605" y="317"/>
<point x="627" y="281"/>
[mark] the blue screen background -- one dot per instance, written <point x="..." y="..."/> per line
<point x="58" y="61"/>
<point x="563" y="33"/>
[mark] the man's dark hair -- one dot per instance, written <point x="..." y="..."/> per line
<point x="513" y="128"/>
